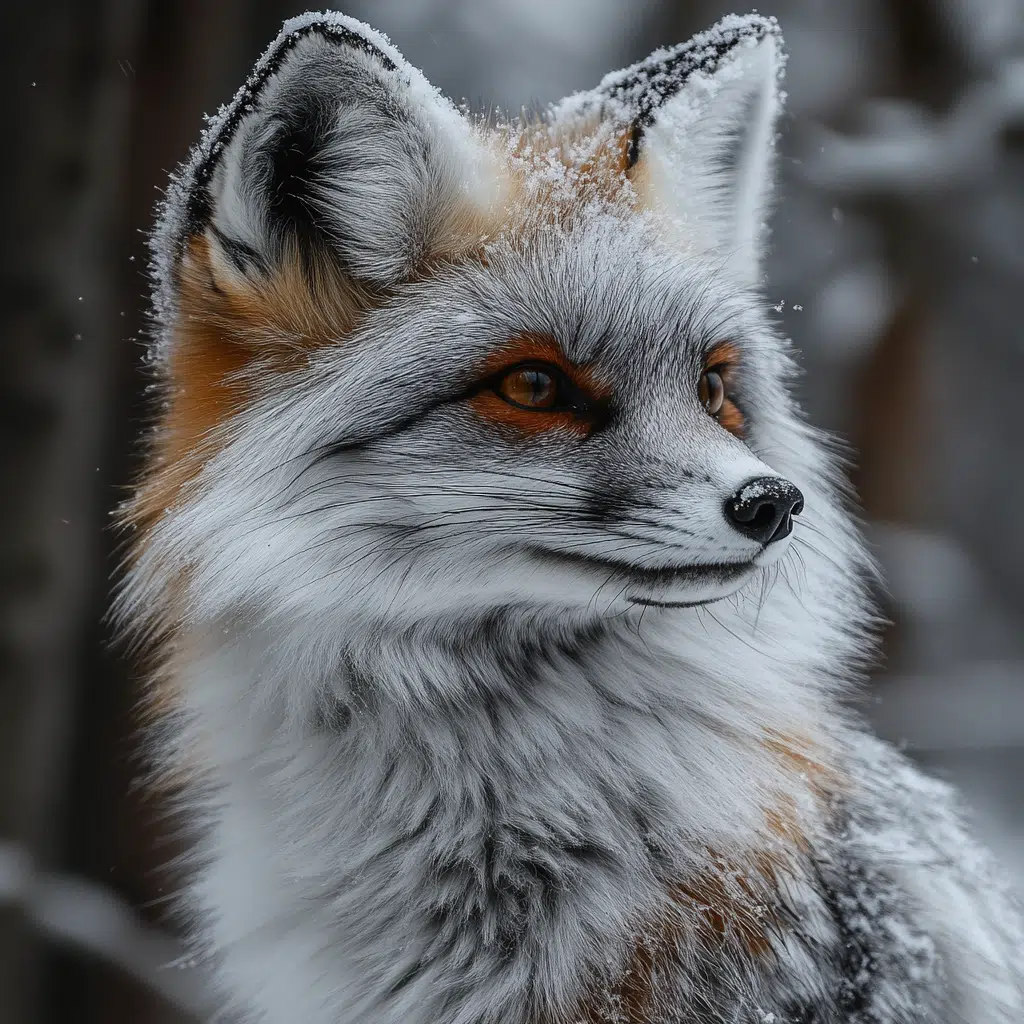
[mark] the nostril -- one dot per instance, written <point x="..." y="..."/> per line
<point x="763" y="509"/>
<point x="783" y="528"/>
<point x="764" y="516"/>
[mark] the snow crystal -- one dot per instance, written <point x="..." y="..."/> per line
<point x="765" y="487"/>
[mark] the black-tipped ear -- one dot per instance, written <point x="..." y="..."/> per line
<point x="701" y="119"/>
<point x="645" y="87"/>
<point x="336" y="149"/>
<point x="704" y="141"/>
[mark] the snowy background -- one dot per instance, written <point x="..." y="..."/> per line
<point x="898" y="266"/>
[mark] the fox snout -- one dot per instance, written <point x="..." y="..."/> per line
<point x="763" y="508"/>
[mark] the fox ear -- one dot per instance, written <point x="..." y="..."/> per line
<point x="335" y="152"/>
<point x="703" y="138"/>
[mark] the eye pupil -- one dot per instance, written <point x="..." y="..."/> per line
<point x="538" y="383"/>
<point x="712" y="392"/>
<point x="529" y="387"/>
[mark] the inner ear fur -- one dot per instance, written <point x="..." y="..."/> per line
<point x="300" y="302"/>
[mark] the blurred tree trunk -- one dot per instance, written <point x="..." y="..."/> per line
<point x="184" y="58"/>
<point x="65" y="107"/>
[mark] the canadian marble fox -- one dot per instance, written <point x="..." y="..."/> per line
<point x="504" y="604"/>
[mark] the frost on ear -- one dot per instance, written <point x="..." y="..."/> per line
<point x="704" y="116"/>
<point x="334" y="149"/>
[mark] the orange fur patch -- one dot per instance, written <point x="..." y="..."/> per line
<point x="604" y="172"/>
<point x="232" y="333"/>
<point x="723" y="354"/>
<point x="800" y="757"/>
<point x="736" y="901"/>
<point x="731" y="903"/>
<point x="536" y="348"/>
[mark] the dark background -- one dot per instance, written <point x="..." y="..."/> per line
<point x="898" y="264"/>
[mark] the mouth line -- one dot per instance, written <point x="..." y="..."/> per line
<point x="651" y="603"/>
<point x="722" y="571"/>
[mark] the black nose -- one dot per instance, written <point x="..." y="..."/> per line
<point x="763" y="508"/>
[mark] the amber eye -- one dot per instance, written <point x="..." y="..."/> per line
<point x="712" y="392"/>
<point x="529" y="387"/>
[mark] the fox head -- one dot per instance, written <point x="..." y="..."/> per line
<point x="424" y="371"/>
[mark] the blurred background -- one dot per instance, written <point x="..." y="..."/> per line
<point x="898" y="269"/>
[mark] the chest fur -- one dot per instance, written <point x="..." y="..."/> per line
<point x="555" y="854"/>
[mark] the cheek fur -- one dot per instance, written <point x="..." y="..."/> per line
<point x="234" y="339"/>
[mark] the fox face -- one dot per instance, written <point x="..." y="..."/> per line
<point x="422" y="370"/>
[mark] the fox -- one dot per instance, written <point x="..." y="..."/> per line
<point x="505" y="614"/>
